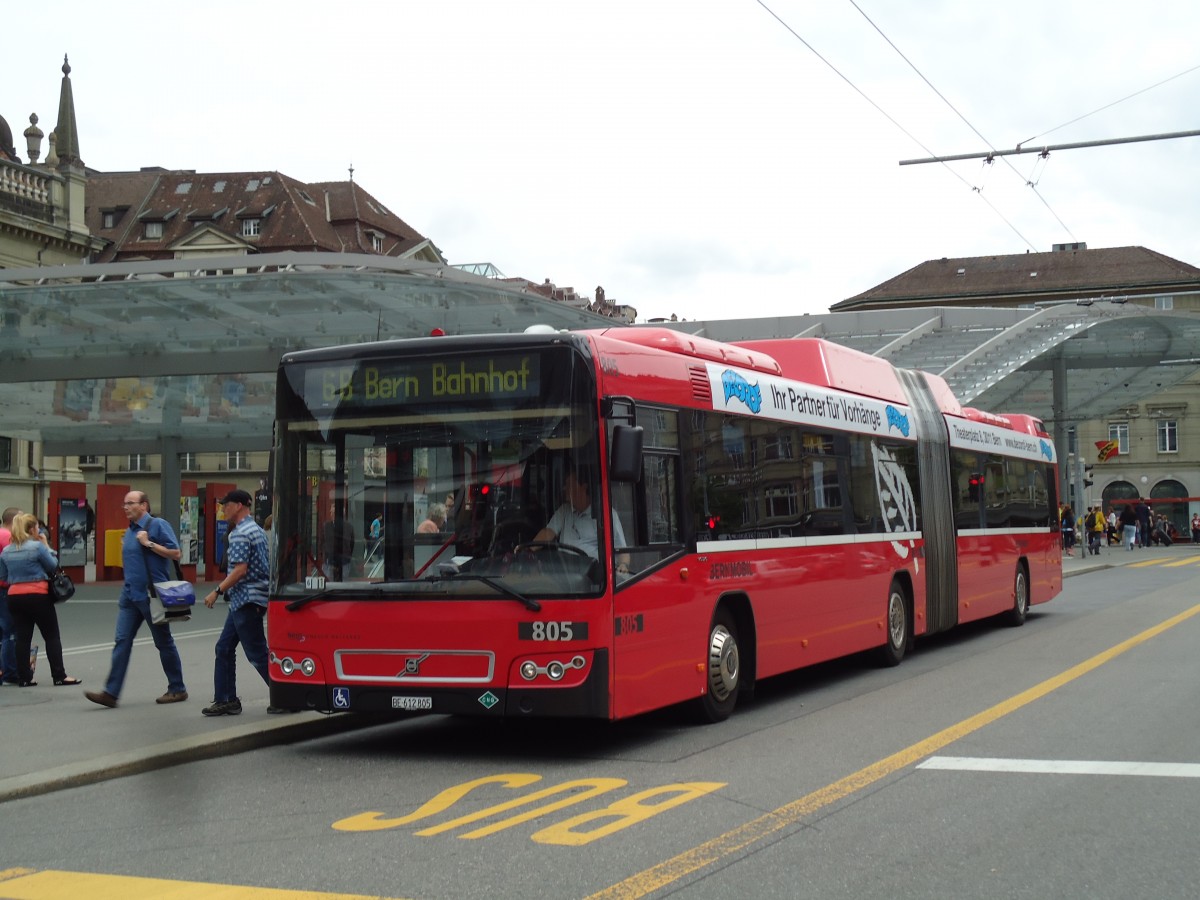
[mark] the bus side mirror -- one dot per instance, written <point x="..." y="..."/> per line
<point x="625" y="453"/>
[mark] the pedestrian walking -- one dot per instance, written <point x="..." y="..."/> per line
<point x="1143" y="520"/>
<point x="1095" y="525"/>
<point x="1113" y="528"/>
<point x="1129" y="525"/>
<point x="1067" y="525"/>
<point x="1196" y="528"/>
<point x="147" y="549"/>
<point x="338" y="545"/>
<point x="27" y="564"/>
<point x="245" y="588"/>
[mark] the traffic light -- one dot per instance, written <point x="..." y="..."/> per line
<point x="1087" y="471"/>
<point x="975" y="487"/>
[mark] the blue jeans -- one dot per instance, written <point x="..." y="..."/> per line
<point x="130" y="614"/>
<point x="8" y="640"/>
<point x="243" y="625"/>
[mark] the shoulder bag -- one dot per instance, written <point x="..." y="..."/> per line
<point x="170" y="601"/>
<point x="62" y="588"/>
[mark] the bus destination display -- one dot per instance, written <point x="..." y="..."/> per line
<point x="389" y="382"/>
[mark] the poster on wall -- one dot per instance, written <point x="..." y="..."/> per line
<point x="220" y="530"/>
<point x="189" y="517"/>
<point x="72" y="533"/>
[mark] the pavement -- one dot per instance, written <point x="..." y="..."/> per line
<point x="54" y="738"/>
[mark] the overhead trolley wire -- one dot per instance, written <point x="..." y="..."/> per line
<point x="1108" y="106"/>
<point x="885" y="114"/>
<point x="1027" y="181"/>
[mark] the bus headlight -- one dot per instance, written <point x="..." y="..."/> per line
<point x="555" y="671"/>
<point x="286" y="666"/>
<point x="308" y="667"/>
<point x="528" y="670"/>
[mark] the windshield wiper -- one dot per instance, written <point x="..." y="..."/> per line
<point x="498" y="586"/>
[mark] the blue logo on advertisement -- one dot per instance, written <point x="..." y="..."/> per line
<point x="1047" y="451"/>
<point x="897" y="420"/>
<point x="341" y="698"/>
<point x="737" y="386"/>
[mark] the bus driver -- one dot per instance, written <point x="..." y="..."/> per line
<point x="573" y="523"/>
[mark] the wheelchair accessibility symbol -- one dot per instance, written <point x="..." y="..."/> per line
<point x="341" y="698"/>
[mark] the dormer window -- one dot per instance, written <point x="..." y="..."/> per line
<point x="377" y="242"/>
<point x="110" y="217"/>
<point x="153" y="222"/>
<point x="250" y="227"/>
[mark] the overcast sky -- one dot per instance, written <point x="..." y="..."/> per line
<point x="693" y="157"/>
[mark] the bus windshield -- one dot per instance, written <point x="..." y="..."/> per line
<point x="434" y="472"/>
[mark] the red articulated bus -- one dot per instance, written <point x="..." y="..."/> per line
<point x="602" y="523"/>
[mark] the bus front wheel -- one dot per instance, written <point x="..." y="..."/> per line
<point x="724" y="669"/>
<point x="897" y="626"/>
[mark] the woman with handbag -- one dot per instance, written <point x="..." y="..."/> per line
<point x="27" y="564"/>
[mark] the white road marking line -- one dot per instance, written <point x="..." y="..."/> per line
<point x="140" y="642"/>
<point x="1061" y="766"/>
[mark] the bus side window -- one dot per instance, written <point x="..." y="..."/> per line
<point x="649" y="514"/>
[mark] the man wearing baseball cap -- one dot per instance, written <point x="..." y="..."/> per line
<point x="245" y="586"/>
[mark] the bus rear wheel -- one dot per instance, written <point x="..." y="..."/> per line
<point x="897" y="626"/>
<point x="724" y="669"/>
<point x="1020" y="607"/>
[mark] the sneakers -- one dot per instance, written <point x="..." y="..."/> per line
<point x="170" y="697"/>
<point x="229" y="708"/>
<point x="104" y="698"/>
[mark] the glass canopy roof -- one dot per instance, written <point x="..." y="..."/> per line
<point x="110" y="359"/>
<point x="118" y="358"/>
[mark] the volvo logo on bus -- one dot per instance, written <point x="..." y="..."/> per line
<point x="412" y="665"/>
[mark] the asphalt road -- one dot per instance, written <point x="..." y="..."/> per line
<point x="1054" y="760"/>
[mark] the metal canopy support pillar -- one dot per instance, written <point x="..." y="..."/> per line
<point x="168" y="447"/>
<point x="1058" y="378"/>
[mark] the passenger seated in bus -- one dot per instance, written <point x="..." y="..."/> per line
<point x="573" y="523"/>
<point x="436" y="520"/>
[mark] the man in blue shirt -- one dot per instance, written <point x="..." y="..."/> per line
<point x="245" y="585"/>
<point x="146" y="549"/>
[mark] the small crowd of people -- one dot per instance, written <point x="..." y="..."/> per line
<point x="149" y="549"/>
<point x="1135" y="525"/>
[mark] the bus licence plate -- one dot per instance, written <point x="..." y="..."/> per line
<point x="412" y="703"/>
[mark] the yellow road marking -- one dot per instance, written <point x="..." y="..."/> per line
<point x="31" y="884"/>
<point x="738" y="839"/>
<point x="1191" y="560"/>
<point x="1144" y="564"/>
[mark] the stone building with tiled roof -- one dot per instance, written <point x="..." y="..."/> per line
<point x="1158" y="439"/>
<point x="1069" y="274"/>
<point x="160" y="214"/>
